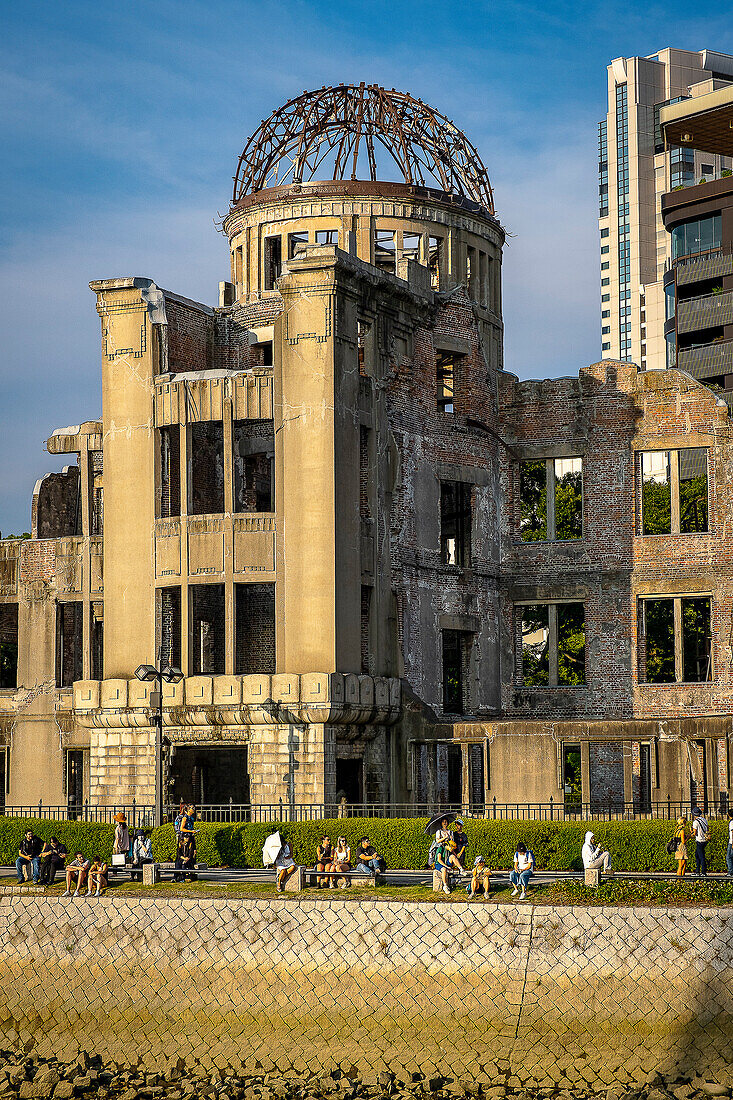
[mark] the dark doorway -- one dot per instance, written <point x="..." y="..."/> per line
<point x="210" y="776"/>
<point x="699" y="785"/>
<point x="75" y="782"/>
<point x="645" y="779"/>
<point x="450" y="775"/>
<point x="350" y="779"/>
<point x="572" y="778"/>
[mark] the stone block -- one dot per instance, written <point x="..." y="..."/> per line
<point x="296" y="882"/>
<point x="199" y="691"/>
<point x="113" y="694"/>
<point x="256" y="689"/>
<point x="86" y="695"/>
<point x="151" y="874"/>
<point x="593" y="876"/>
<point x="227" y="691"/>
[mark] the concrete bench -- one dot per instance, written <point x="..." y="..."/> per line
<point x="153" y="872"/>
<point x="309" y="877"/>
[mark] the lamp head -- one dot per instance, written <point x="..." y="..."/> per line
<point x="146" y="672"/>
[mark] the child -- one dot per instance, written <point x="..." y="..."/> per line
<point x="480" y="879"/>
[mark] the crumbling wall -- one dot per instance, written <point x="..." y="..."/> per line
<point x="58" y="505"/>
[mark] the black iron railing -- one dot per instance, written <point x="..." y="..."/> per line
<point x="142" y="816"/>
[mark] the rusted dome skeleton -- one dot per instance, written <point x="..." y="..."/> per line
<point x="352" y="122"/>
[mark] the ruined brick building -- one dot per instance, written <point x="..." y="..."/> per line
<point x="387" y="568"/>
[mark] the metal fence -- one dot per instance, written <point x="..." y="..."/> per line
<point x="143" y="816"/>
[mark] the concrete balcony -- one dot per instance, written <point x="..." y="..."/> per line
<point x="200" y="395"/>
<point x="210" y="703"/>
<point x="711" y="311"/>
<point x="711" y="265"/>
<point x="206" y="542"/>
<point x="709" y="361"/>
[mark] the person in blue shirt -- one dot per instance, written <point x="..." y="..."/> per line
<point x="443" y="865"/>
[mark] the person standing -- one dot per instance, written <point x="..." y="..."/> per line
<point x="122" y="836"/>
<point x="701" y="833"/>
<point x="682" y="836"/>
<point x="729" y="849"/>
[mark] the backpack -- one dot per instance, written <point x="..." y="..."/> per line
<point x="431" y="853"/>
<point x="672" y="845"/>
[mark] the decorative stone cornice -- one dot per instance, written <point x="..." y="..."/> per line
<point x="204" y="701"/>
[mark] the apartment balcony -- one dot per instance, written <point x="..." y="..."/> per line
<point x="710" y="265"/>
<point x="708" y="312"/>
<point x="709" y="361"/>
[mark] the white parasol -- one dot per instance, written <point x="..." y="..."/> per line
<point x="270" y="849"/>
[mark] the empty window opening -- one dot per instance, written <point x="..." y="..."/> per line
<point x="411" y="247"/>
<point x="210" y="775"/>
<point x="385" y="250"/>
<point x="206" y="468"/>
<point x="170" y="471"/>
<point x="551" y="499"/>
<point x="674" y="492"/>
<point x="169" y="625"/>
<point x="74" y="781"/>
<point x="296" y="242"/>
<point x="69" y="643"/>
<point x="445" y="364"/>
<point x="327" y="236"/>
<point x="262" y="354"/>
<point x="675" y="642"/>
<point x="457" y="646"/>
<point x="8" y="645"/>
<point x="96" y="493"/>
<point x="350" y="779"/>
<point x="553" y="645"/>
<point x="363" y="328"/>
<point x="483" y="278"/>
<point x="273" y="261"/>
<point x="645" y="778"/>
<point x="255" y="629"/>
<point x="435" y="261"/>
<point x="455" y="523"/>
<point x="97" y="641"/>
<point x="606" y="767"/>
<point x="366" y="604"/>
<point x="207" y="629"/>
<point x="572" y="777"/>
<point x="472" y="273"/>
<point x="364" y="473"/>
<point x="476" y="781"/>
<point x="254" y="465"/>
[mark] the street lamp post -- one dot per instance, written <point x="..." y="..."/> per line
<point x="171" y="675"/>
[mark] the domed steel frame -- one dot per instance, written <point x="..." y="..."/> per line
<point x="428" y="149"/>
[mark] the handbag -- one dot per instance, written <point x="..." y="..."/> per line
<point x="672" y="845"/>
<point x="118" y="859"/>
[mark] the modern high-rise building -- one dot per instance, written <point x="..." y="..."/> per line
<point x="634" y="171"/>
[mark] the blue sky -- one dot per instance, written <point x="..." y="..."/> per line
<point x="121" y="124"/>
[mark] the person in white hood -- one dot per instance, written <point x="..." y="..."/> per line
<point x="594" y="857"/>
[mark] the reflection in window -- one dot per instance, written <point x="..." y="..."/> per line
<point x="385" y="250"/>
<point x="568" y="498"/>
<point x="535" y="645"/>
<point x="693" y="490"/>
<point x="656" y="493"/>
<point x="669" y="301"/>
<point x="696" y="235"/>
<point x="533" y="500"/>
<point x="570" y="643"/>
<point x="445" y="369"/>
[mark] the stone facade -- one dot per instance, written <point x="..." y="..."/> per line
<point x="491" y="993"/>
<point x="317" y="499"/>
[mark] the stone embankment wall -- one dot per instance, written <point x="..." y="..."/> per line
<point x="512" y="993"/>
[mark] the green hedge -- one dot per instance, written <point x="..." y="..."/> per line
<point x="88" y="837"/>
<point x="634" y="846"/>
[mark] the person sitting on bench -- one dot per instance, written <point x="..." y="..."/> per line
<point x="443" y="865"/>
<point x="97" y="876"/>
<point x="52" y="859"/>
<point x="285" y="865"/>
<point x="594" y="858"/>
<point x="341" y="863"/>
<point x="480" y="879"/>
<point x="367" y="860"/>
<point x="142" y="853"/>
<point x="76" y="871"/>
<point x="324" y="857"/>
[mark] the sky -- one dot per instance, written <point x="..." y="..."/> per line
<point x="121" y="125"/>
